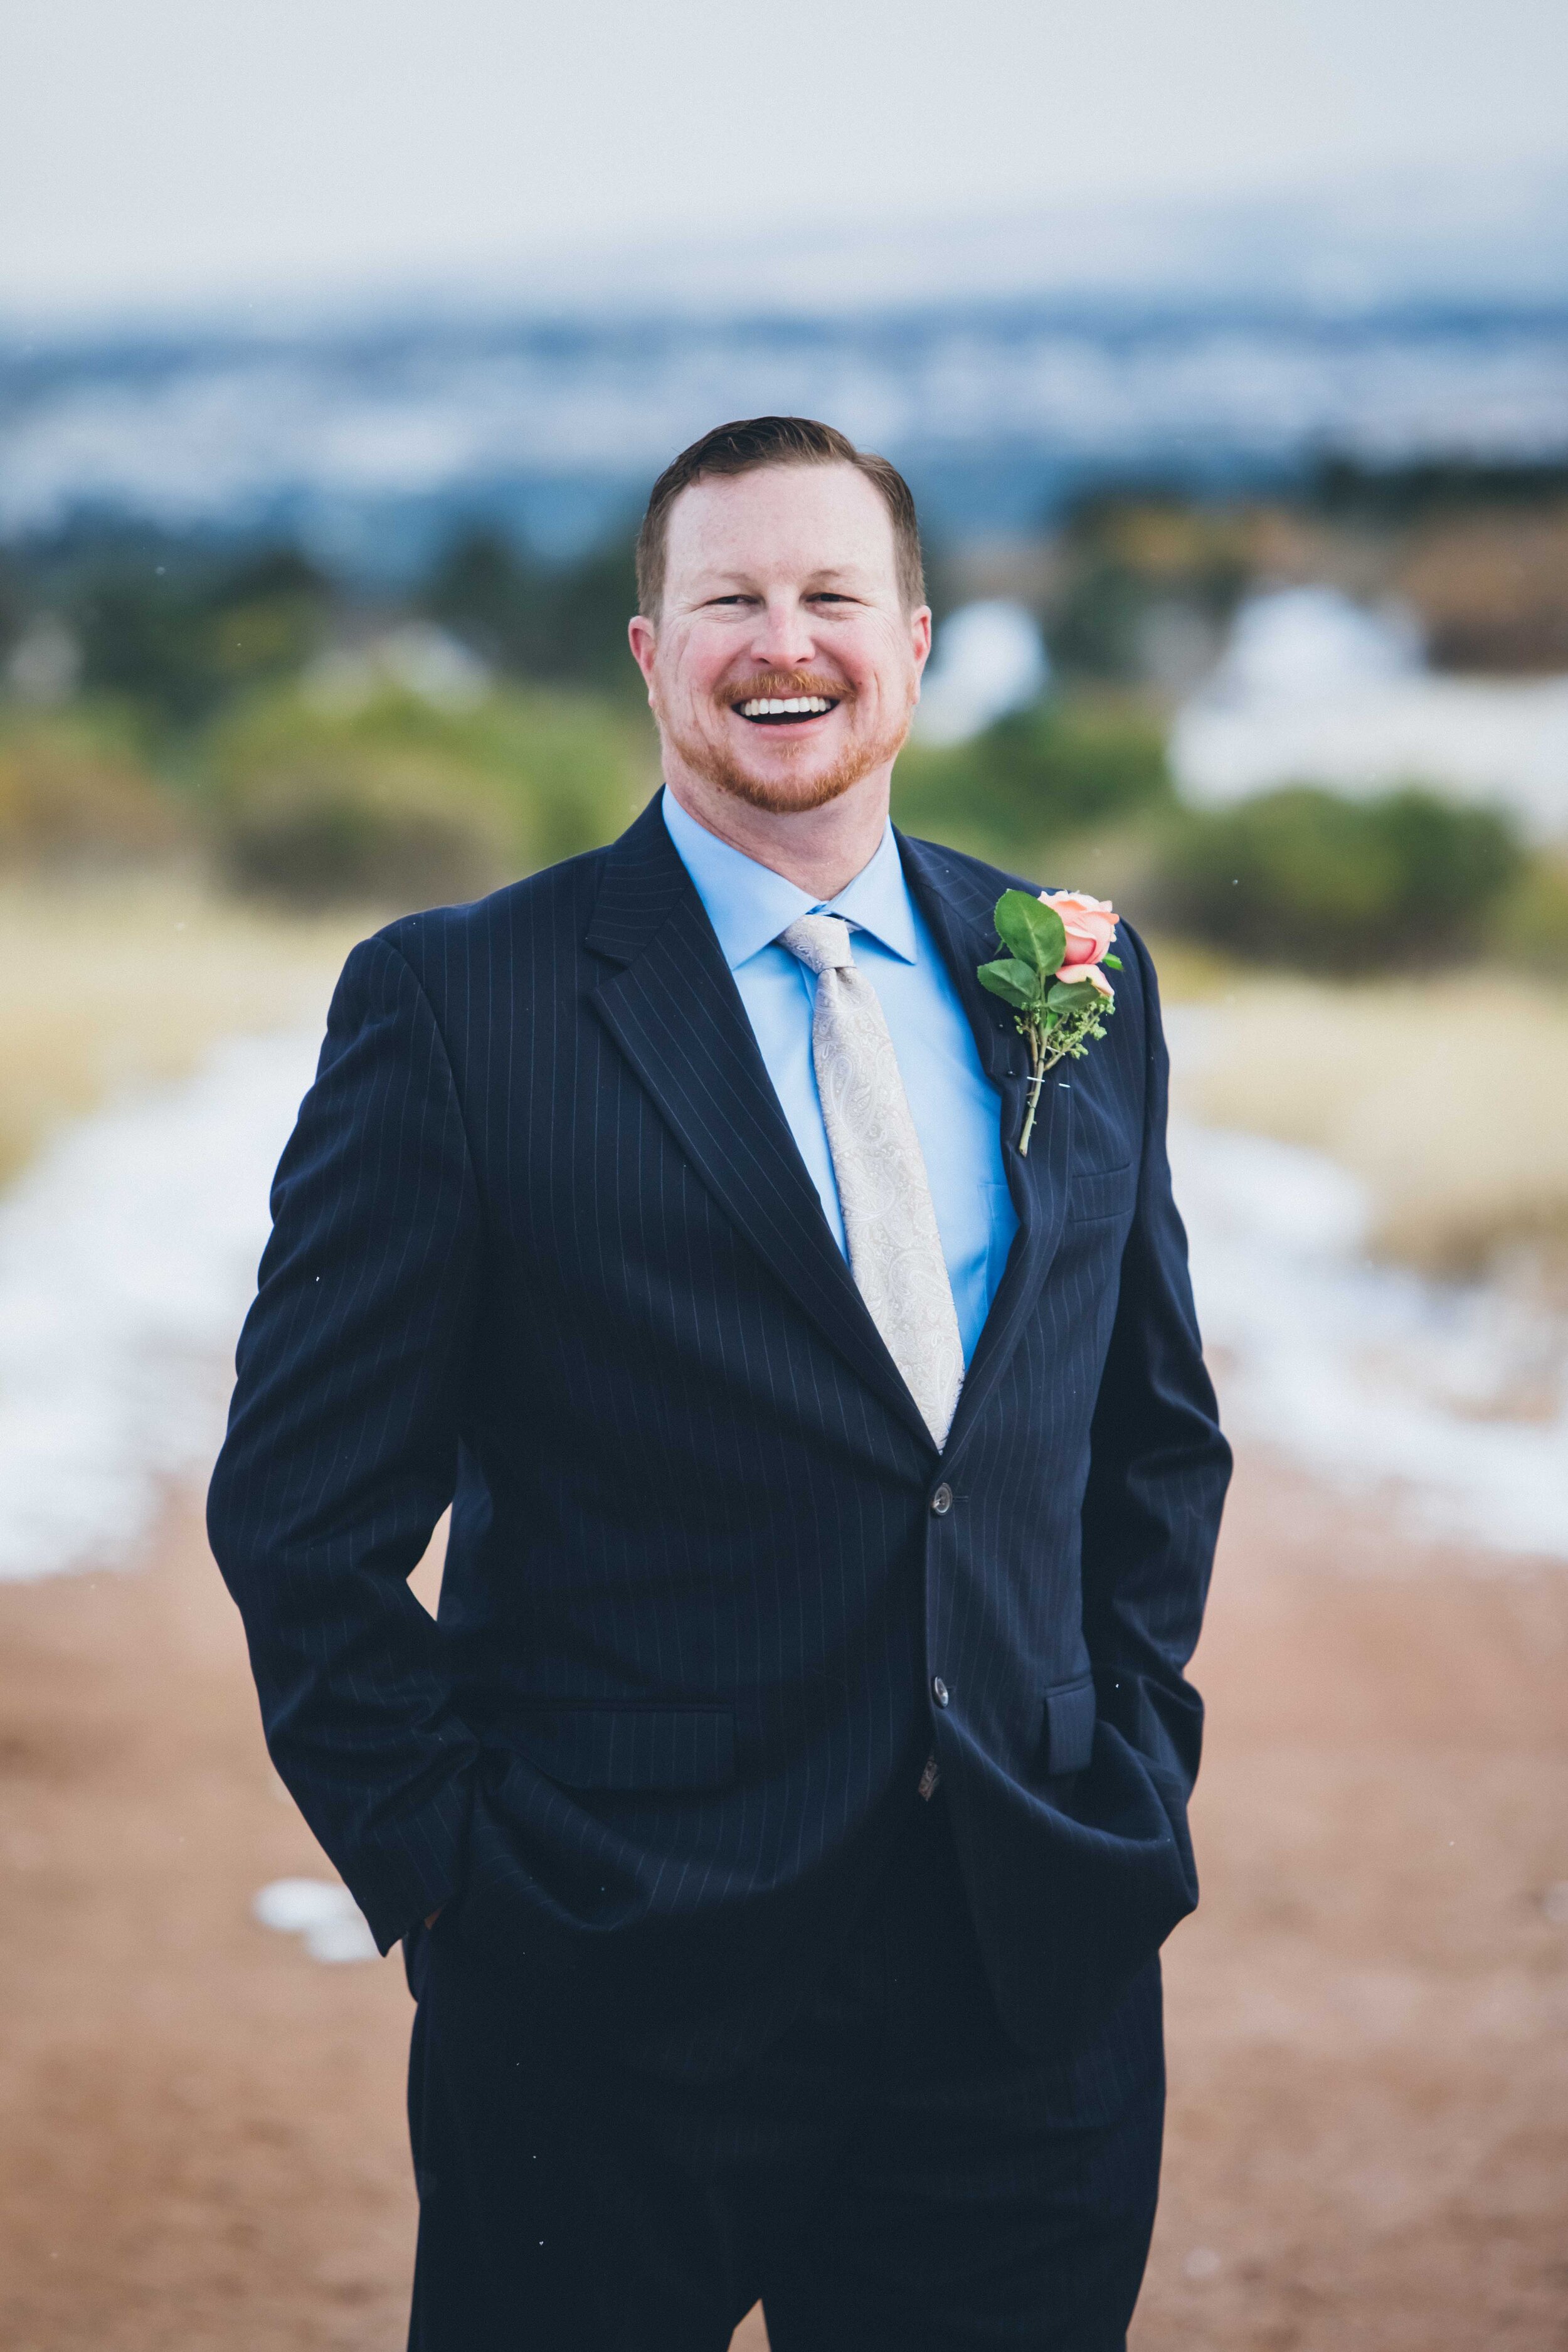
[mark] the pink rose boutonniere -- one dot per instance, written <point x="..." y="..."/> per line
<point x="1053" y="976"/>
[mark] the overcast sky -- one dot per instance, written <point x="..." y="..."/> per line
<point x="155" y="152"/>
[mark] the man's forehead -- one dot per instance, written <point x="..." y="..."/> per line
<point x="817" y="519"/>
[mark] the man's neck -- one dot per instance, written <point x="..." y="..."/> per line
<point x="819" y="850"/>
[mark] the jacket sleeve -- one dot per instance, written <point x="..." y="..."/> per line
<point x="1159" y="1467"/>
<point x="341" y="1446"/>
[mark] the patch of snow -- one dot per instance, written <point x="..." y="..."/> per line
<point x="128" y="1256"/>
<point x="320" y="1911"/>
<point x="1313" y="689"/>
<point x="989" y="659"/>
<point x="1370" y="1377"/>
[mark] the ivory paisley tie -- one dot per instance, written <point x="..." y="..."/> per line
<point x="895" y="1249"/>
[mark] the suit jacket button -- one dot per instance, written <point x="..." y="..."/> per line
<point x="941" y="1501"/>
<point x="939" y="1690"/>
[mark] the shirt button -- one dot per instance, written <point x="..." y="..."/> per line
<point x="941" y="1501"/>
<point x="939" y="1690"/>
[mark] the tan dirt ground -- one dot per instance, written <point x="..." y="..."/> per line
<point x="200" y="2135"/>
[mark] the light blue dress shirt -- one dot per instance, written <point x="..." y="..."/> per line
<point x="956" y="1109"/>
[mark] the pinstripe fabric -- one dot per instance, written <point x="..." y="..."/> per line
<point x="979" y="2198"/>
<point x="543" y="1244"/>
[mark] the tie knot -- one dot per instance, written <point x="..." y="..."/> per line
<point x="821" y="941"/>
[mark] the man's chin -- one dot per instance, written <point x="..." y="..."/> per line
<point x="784" y="792"/>
<point x="787" y="795"/>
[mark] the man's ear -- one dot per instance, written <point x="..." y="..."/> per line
<point x="920" y="631"/>
<point x="641" y="636"/>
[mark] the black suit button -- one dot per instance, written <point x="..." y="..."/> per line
<point x="939" y="1690"/>
<point x="941" y="1501"/>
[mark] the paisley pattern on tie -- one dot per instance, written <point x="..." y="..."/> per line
<point x="889" y="1222"/>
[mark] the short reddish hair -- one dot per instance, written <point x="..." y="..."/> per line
<point x="744" y="449"/>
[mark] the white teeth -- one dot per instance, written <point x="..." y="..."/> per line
<point x="795" y="706"/>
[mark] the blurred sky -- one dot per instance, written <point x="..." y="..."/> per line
<point x="155" y="152"/>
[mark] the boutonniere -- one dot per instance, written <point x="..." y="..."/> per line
<point x="1053" y="977"/>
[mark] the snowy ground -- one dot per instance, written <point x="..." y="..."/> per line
<point x="128" y="1255"/>
<point x="1449" y="1401"/>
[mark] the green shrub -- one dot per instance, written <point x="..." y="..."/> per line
<point x="394" y="800"/>
<point x="394" y="831"/>
<point x="71" y="796"/>
<point x="1055" y="770"/>
<point x="1531" y="926"/>
<point x="1304" y="876"/>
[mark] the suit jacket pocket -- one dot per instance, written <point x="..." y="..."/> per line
<point x="1102" y="1193"/>
<point x="1069" y="1724"/>
<point x="627" y="1747"/>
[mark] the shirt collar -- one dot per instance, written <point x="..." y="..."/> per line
<point x="749" y="905"/>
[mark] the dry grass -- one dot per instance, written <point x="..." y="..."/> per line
<point x="1448" y="1097"/>
<point x="115" y="984"/>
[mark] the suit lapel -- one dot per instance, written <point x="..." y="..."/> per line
<point x="676" y="1014"/>
<point x="958" y="906"/>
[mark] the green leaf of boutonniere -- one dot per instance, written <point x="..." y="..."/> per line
<point x="1035" y="933"/>
<point x="1012" y="981"/>
<point x="1073" y="996"/>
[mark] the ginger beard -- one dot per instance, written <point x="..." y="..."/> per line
<point x="722" y="762"/>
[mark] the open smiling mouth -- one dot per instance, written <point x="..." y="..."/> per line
<point x="785" y="710"/>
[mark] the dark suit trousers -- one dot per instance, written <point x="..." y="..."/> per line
<point x="891" y="2172"/>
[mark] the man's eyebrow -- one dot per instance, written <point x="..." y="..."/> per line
<point x="707" y="581"/>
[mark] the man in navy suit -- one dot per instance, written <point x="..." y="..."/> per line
<point x="783" y="1815"/>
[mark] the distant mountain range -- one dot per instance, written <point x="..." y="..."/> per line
<point x="1004" y="364"/>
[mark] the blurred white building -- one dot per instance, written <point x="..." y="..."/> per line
<point x="1313" y="689"/>
<point x="989" y="659"/>
<point x="45" y="664"/>
<point x="415" y="658"/>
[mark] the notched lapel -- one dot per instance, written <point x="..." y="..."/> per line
<point x="676" y="1014"/>
<point x="1039" y="1189"/>
<point x="959" y="910"/>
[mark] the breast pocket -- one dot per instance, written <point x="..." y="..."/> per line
<point x="1096" y="1192"/>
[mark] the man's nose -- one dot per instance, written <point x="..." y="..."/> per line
<point x="785" y="638"/>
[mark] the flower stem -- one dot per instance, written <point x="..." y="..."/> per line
<point x="1037" y="1051"/>
<point x="1029" y="1115"/>
<point x="1037" y="1080"/>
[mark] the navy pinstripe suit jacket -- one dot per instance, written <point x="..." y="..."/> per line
<point x="544" y="1247"/>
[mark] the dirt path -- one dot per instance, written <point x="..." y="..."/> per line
<point x="1369" y="2012"/>
<point x="201" y="2136"/>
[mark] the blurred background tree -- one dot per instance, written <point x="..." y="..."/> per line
<point x="565" y="624"/>
<point x="177" y="639"/>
